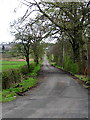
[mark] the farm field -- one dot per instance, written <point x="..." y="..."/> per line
<point x="11" y="64"/>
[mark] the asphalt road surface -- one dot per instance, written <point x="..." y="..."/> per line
<point x="57" y="96"/>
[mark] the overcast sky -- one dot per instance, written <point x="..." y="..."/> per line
<point x="7" y="15"/>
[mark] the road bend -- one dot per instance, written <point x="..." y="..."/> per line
<point x="58" y="95"/>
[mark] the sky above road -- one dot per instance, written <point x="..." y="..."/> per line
<point x="9" y="10"/>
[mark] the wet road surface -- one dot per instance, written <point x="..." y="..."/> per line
<point x="57" y="96"/>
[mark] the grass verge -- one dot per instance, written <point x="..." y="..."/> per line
<point x="84" y="79"/>
<point x="35" y="71"/>
<point x="10" y="94"/>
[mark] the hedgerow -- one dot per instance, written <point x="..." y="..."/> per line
<point x="12" y="77"/>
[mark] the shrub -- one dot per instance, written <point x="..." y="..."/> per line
<point x="24" y="70"/>
<point x="32" y="66"/>
<point x="10" y="77"/>
<point x="69" y="65"/>
<point x="74" y="68"/>
<point x="35" y="70"/>
<point x="13" y="76"/>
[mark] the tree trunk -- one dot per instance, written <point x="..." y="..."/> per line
<point x="63" y="54"/>
<point x="84" y="65"/>
<point x="56" y="59"/>
<point x="27" y="60"/>
<point x="36" y="59"/>
<point x="76" y="54"/>
<point x="88" y="47"/>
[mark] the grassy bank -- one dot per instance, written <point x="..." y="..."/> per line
<point x="11" y="93"/>
<point x="28" y="81"/>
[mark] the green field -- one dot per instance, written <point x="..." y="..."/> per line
<point x="4" y="65"/>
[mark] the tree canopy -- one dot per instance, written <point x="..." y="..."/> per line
<point x="65" y="22"/>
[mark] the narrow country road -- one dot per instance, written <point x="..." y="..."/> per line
<point x="57" y="96"/>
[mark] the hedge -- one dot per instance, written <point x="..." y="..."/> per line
<point x="12" y="77"/>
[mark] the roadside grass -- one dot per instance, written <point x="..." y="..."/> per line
<point x="52" y="63"/>
<point x="10" y="94"/>
<point x="36" y="70"/>
<point x="84" y="79"/>
<point x="6" y="95"/>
